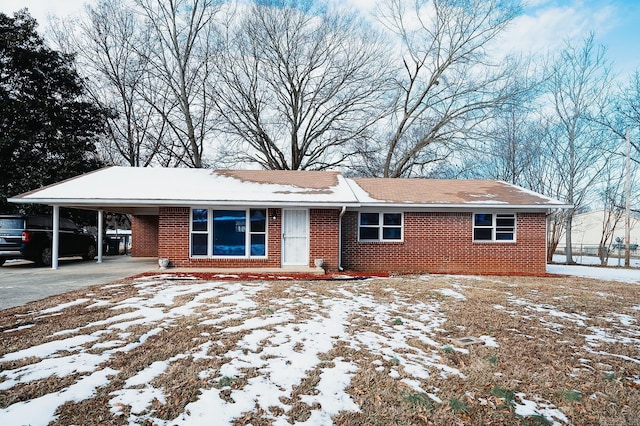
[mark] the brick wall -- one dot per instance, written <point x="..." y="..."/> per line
<point x="442" y="243"/>
<point x="174" y="242"/>
<point x="144" y="236"/>
<point x="324" y="239"/>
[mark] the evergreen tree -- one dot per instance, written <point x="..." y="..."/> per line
<point x="47" y="128"/>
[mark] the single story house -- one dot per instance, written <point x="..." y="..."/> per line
<point x="280" y="219"/>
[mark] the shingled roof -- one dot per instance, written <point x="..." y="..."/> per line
<point x="127" y="188"/>
<point x="447" y="192"/>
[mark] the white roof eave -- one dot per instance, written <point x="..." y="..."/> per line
<point x="248" y="203"/>
<point x="462" y="206"/>
<point x="174" y="203"/>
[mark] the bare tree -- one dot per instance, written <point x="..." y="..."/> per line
<point x="109" y="47"/>
<point x="300" y="85"/>
<point x="511" y="149"/>
<point x="182" y="45"/>
<point x="447" y="84"/>
<point x="612" y="198"/>
<point x="629" y="108"/>
<point x="579" y="84"/>
<point x="117" y="38"/>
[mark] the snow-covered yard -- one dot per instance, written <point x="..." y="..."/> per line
<point x="157" y="350"/>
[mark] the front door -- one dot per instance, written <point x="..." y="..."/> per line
<point x="295" y="237"/>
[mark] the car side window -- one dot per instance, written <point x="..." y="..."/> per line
<point x="67" y="225"/>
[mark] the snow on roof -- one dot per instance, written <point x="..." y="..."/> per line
<point x="173" y="186"/>
<point x="119" y="186"/>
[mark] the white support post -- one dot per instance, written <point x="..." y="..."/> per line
<point x="100" y="226"/>
<point x="56" y="237"/>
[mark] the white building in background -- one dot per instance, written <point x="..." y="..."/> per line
<point x="588" y="228"/>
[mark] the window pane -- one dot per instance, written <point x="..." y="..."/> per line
<point x="369" y="218"/>
<point x="229" y="227"/>
<point x="258" y="246"/>
<point x="483" y="219"/>
<point x="506" y="236"/>
<point x="391" y="234"/>
<point x="505" y="221"/>
<point x="198" y="244"/>
<point x="509" y="229"/>
<point x="483" y="234"/>
<point x="258" y="220"/>
<point x="392" y="219"/>
<point x="369" y="233"/>
<point x="200" y="217"/>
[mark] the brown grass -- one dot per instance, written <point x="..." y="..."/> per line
<point x="542" y="326"/>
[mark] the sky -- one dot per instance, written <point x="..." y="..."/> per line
<point x="545" y="24"/>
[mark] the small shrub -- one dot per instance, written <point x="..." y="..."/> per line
<point x="226" y="381"/>
<point x="269" y="311"/>
<point x="447" y="349"/>
<point x="536" y="420"/>
<point x="458" y="406"/>
<point x="419" y="400"/>
<point x="610" y="377"/>
<point x="397" y="321"/>
<point x="395" y="360"/>
<point x="493" y="359"/>
<point x="507" y="395"/>
<point x="572" y="395"/>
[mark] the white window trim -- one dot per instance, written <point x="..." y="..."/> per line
<point x="247" y="234"/>
<point x="207" y="232"/>
<point x="493" y="227"/>
<point x="381" y="227"/>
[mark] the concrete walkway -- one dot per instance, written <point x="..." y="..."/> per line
<point x="22" y="281"/>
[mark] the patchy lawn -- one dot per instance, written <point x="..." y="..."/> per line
<point x="163" y="351"/>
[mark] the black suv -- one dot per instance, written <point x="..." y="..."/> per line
<point x="30" y="237"/>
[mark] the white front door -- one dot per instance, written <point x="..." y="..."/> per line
<point x="295" y="237"/>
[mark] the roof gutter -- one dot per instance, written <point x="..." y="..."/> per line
<point x="342" y="212"/>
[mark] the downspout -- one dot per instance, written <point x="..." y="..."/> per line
<point x="342" y="212"/>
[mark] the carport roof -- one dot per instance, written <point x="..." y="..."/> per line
<point x="144" y="190"/>
<point x="134" y="189"/>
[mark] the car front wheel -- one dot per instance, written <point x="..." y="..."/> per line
<point x="91" y="253"/>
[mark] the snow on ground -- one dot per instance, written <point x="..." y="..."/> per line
<point x="595" y="260"/>
<point x="602" y="273"/>
<point x="280" y="345"/>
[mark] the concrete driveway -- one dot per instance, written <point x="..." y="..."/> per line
<point x="22" y="281"/>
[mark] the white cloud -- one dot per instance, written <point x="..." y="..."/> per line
<point x="546" y="28"/>
<point x="41" y="9"/>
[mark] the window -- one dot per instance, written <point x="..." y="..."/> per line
<point x="199" y="232"/>
<point x="228" y="233"/>
<point x="494" y="227"/>
<point x="380" y="227"/>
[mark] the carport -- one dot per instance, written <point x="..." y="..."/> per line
<point x="92" y="192"/>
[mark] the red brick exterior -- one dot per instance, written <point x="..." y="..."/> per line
<point x="324" y="238"/>
<point x="144" y="236"/>
<point x="433" y="243"/>
<point x="174" y="242"/>
<point x="442" y="243"/>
